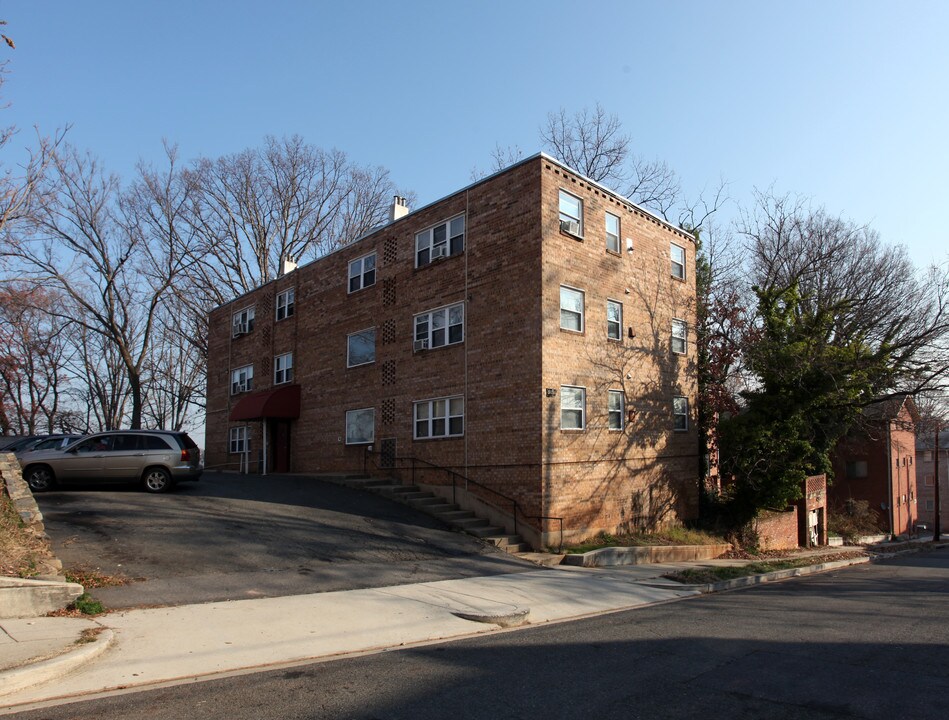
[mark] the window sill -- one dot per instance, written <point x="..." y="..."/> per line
<point x="676" y="277"/>
<point x="351" y="367"/>
<point x="438" y="261"/>
<point x="359" y="290"/>
<point x="572" y="332"/>
<point x="572" y="431"/>
<point x="578" y="238"/>
<point x="615" y="253"/>
<point x="441" y="437"/>
<point x="618" y="341"/>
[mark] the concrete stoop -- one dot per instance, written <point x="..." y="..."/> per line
<point x="26" y="598"/>
<point x="436" y="506"/>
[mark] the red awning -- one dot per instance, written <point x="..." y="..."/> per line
<point x="282" y="402"/>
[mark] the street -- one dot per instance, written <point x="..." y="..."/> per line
<point x="870" y="641"/>
<point x="232" y="537"/>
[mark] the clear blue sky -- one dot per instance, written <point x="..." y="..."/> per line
<point x="845" y="102"/>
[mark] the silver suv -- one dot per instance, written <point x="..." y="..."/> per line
<point x="156" y="458"/>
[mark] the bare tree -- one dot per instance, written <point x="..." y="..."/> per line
<point x="112" y="256"/>
<point x="287" y="198"/>
<point x="593" y="143"/>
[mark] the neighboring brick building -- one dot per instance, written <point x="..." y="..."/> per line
<point x="548" y="354"/>
<point x="876" y="463"/>
<point x="926" y="479"/>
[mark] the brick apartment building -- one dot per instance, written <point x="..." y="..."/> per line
<point x="926" y="478"/>
<point x="877" y="463"/>
<point x="532" y="332"/>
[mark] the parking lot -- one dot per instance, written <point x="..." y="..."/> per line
<point x="231" y="537"/>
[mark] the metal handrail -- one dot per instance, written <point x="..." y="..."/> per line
<point x="454" y="476"/>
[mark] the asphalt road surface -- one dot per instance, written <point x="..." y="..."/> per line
<point x="869" y="642"/>
<point x="232" y="537"/>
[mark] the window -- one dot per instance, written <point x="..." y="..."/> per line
<point x="571" y="309"/>
<point x="362" y="273"/>
<point x="239" y="440"/>
<point x="441" y="417"/>
<point x="571" y="214"/>
<point x="285" y="304"/>
<point x="614" y="320"/>
<point x="928" y="481"/>
<point x="612" y="233"/>
<point x="243" y="322"/>
<point x="360" y="426"/>
<point x="856" y="469"/>
<point x="445" y="326"/>
<point x="930" y="505"/>
<point x="440" y="241"/>
<point x="678" y="261"/>
<point x="283" y="369"/>
<point x="242" y="379"/>
<point x="680" y="413"/>
<point x="680" y="334"/>
<point x="361" y="348"/>
<point x="615" y="409"/>
<point x="572" y="407"/>
<point x="928" y="456"/>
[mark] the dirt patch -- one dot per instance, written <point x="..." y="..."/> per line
<point x="22" y="551"/>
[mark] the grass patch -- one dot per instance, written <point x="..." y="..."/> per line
<point x="708" y="575"/>
<point x="87" y="605"/>
<point x="671" y="536"/>
<point x="88" y="635"/>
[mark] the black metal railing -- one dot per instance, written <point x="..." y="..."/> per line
<point x="409" y="462"/>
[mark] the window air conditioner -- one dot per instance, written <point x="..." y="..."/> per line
<point x="572" y="227"/>
<point x="439" y="251"/>
<point x="421" y="345"/>
<point x="240" y="329"/>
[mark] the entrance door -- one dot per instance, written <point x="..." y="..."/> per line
<point x="281" y="446"/>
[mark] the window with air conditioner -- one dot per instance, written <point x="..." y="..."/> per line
<point x="242" y="379"/>
<point x="436" y="328"/>
<point x="362" y="272"/>
<point x="571" y="214"/>
<point x="285" y="302"/>
<point x="441" y="241"/>
<point x="243" y="322"/>
<point x="361" y="348"/>
<point x="439" y="418"/>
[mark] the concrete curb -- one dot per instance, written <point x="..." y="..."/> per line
<point x="751" y="580"/>
<point x="29" y="598"/>
<point x="645" y="555"/>
<point x="20" y="678"/>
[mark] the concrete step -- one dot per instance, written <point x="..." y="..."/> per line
<point x="469" y="524"/>
<point x="440" y="510"/>
<point x="383" y="489"/>
<point x="456" y="515"/>
<point x="427" y="502"/>
<point x="517" y="548"/>
<point x="412" y="497"/>
<point x="502" y="541"/>
<point x="402" y="489"/>
<point x="486" y="530"/>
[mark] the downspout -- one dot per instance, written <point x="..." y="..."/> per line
<point x="889" y="474"/>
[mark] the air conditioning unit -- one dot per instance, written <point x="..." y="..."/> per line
<point x="439" y="251"/>
<point x="421" y="345"/>
<point x="571" y="227"/>
<point x="240" y="329"/>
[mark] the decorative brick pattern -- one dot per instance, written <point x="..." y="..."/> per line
<point x="390" y="253"/>
<point x="388" y="372"/>
<point x="388" y="292"/>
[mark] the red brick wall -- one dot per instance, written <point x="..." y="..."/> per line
<point x="777" y="530"/>
<point x="509" y="276"/>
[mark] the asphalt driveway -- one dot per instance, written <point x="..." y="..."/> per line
<point x="231" y="537"/>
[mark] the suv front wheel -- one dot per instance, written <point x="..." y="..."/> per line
<point x="157" y="480"/>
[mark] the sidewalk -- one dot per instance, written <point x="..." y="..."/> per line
<point x="41" y="660"/>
